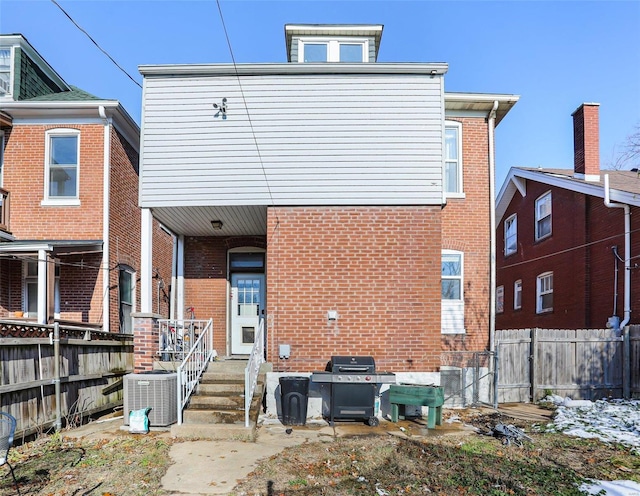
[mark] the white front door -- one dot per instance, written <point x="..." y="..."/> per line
<point x="247" y="308"/>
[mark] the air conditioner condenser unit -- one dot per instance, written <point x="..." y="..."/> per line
<point x="155" y="390"/>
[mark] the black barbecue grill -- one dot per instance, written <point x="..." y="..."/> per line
<point x="354" y="385"/>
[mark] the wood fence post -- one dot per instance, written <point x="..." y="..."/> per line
<point x="533" y="379"/>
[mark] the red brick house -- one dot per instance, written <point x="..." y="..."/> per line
<point x="69" y="223"/>
<point x="345" y="201"/>
<point x="566" y="241"/>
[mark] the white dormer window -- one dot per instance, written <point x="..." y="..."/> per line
<point x="5" y="71"/>
<point x="323" y="50"/>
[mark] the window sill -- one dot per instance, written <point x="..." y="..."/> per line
<point x="460" y="196"/>
<point x="453" y="331"/>
<point x="71" y="202"/>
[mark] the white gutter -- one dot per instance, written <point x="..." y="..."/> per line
<point x="627" y="251"/>
<point x="106" y="189"/>
<point x="492" y="228"/>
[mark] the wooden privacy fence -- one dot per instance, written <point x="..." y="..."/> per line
<point x="579" y="363"/>
<point x="42" y="392"/>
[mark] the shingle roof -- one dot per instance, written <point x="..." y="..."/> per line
<point x="622" y="180"/>
<point x="75" y="95"/>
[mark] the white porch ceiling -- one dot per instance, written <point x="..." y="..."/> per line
<point x="196" y="221"/>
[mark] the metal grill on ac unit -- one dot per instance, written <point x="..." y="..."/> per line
<point x="158" y="391"/>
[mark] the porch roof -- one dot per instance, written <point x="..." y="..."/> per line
<point x="59" y="247"/>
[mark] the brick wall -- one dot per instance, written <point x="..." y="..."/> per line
<point x="24" y="179"/>
<point x="569" y="223"/>
<point x="465" y="227"/>
<point x="378" y="267"/>
<point x="206" y="284"/>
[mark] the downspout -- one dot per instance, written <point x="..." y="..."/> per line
<point x="106" y="184"/>
<point x="627" y="251"/>
<point x="492" y="228"/>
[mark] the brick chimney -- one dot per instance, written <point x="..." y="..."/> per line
<point x="586" y="142"/>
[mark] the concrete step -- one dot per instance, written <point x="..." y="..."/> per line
<point x="199" y="402"/>
<point x="222" y="377"/>
<point x="236" y="432"/>
<point x="220" y="389"/>
<point x="213" y="416"/>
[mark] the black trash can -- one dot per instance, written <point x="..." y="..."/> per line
<point x="294" y="392"/>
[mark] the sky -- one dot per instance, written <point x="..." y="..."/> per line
<point x="554" y="54"/>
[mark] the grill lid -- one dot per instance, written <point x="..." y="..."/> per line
<point x="351" y="365"/>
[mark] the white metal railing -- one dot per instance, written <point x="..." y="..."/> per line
<point x="256" y="359"/>
<point x="195" y="361"/>
<point x="176" y="337"/>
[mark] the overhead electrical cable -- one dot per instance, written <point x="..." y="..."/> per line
<point x="96" y="44"/>
<point x="244" y="101"/>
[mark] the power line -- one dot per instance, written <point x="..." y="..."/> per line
<point x="96" y="43"/>
<point x="567" y="250"/>
<point x="244" y="101"/>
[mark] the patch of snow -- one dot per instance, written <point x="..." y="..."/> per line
<point x="616" y="421"/>
<point x="612" y="488"/>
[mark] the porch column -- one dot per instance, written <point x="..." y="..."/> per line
<point x="146" y="262"/>
<point x="145" y="340"/>
<point x="42" y="287"/>
<point x="180" y="279"/>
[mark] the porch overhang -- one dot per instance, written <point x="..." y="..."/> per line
<point x="57" y="247"/>
<point x="222" y="221"/>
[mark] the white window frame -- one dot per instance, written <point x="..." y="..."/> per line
<point x="542" y="200"/>
<point x="131" y="304"/>
<point x="517" y="294"/>
<point x="63" y="200"/>
<point x="544" y="287"/>
<point x="511" y="222"/>
<point x="1" y="158"/>
<point x="333" y="47"/>
<point x="33" y="280"/>
<point x="8" y="92"/>
<point x="500" y="299"/>
<point x="452" y="310"/>
<point x="459" y="193"/>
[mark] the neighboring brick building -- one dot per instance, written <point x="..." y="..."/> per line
<point x="565" y="259"/>
<point x="70" y="223"/>
<point x="348" y="205"/>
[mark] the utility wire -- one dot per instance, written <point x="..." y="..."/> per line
<point x="253" y="133"/>
<point x="95" y="43"/>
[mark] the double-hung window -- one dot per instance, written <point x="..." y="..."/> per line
<point x="62" y="165"/>
<point x="517" y="294"/>
<point x="511" y="235"/>
<point x="544" y="296"/>
<point x="127" y="288"/>
<point x="500" y="299"/>
<point x="452" y="291"/>
<point x="5" y="71"/>
<point x="323" y="50"/>
<point x="453" y="160"/>
<point x="543" y="216"/>
<point x="30" y="289"/>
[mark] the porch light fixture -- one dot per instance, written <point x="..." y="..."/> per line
<point x="216" y="224"/>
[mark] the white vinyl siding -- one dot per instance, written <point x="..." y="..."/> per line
<point x="354" y="139"/>
<point x="452" y="282"/>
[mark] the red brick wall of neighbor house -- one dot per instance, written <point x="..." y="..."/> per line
<point x="24" y="178"/>
<point x="378" y="267"/>
<point x="162" y="260"/>
<point x="24" y="160"/>
<point x="569" y="221"/>
<point x="465" y="227"/>
<point x="81" y="288"/>
<point x="607" y="224"/>
<point x="124" y="220"/>
<point x="206" y="285"/>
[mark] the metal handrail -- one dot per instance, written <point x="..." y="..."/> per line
<point x="193" y="365"/>
<point x="176" y="337"/>
<point x="251" y="372"/>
